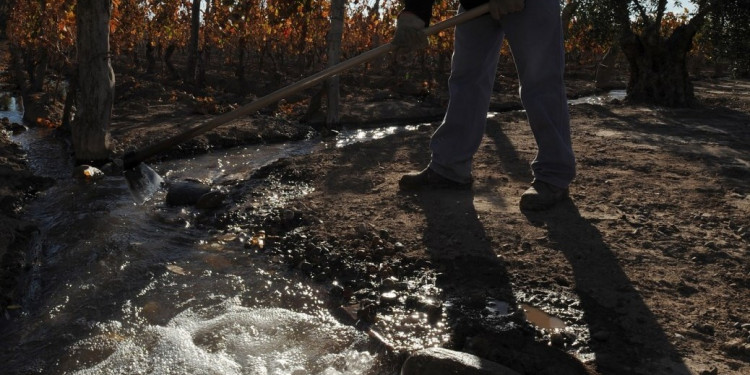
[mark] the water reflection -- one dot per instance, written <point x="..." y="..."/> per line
<point x="349" y="137"/>
<point x="541" y="319"/>
<point x="123" y="288"/>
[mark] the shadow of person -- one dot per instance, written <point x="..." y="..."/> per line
<point x="472" y="275"/>
<point x="626" y="337"/>
<point x="458" y="245"/>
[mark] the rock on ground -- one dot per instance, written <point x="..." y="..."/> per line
<point x="439" y="361"/>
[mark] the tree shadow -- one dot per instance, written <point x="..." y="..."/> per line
<point x="691" y="134"/>
<point x="625" y="335"/>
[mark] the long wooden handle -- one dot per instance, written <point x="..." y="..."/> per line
<point x="133" y="158"/>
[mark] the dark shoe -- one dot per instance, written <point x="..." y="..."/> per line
<point x="429" y="179"/>
<point x="541" y="196"/>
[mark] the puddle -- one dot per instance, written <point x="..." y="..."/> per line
<point x="497" y="307"/>
<point x="541" y="319"/>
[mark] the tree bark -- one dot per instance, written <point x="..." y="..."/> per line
<point x="658" y="66"/>
<point x="150" y="58"/>
<point x="302" y="42"/>
<point x="193" y="43"/>
<point x="168" y="61"/>
<point x="204" y="54"/>
<point x="567" y="16"/>
<point x="16" y="66"/>
<point x="657" y="75"/>
<point x="334" y="53"/>
<point x="96" y="83"/>
<point x="239" y="71"/>
<point x="5" y="8"/>
<point x="40" y="71"/>
<point x="70" y="98"/>
<point x="605" y="70"/>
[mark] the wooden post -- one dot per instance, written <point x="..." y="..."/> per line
<point x="334" y="54"/>
<point x="96" y="82"/>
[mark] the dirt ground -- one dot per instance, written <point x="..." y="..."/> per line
<point x="646" y="264"/>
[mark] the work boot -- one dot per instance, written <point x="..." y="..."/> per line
<point x="541" y="196"/>
<point x="429" y="179"/>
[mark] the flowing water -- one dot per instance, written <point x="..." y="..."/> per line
<point x="10" y="108"/>
<point x="600" y="99"/>
<point x="120" y="288"/>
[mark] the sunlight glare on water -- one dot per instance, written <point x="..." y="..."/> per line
<point x="600" y="99"/>
<point x="237" y="163"/>
<point x="347" y="138"/>
<point x="121" y="288"/>
<point x="239" y="340"/>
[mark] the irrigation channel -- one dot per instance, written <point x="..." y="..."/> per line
<point x="121" y="288"/>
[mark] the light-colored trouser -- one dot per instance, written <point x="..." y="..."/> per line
<point x="535" y="39"/>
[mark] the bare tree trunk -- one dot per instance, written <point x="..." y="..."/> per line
<point x="204" y="54"/>
<point x="39" y="59"/>
<point x="193" y="43"/>
<point x="606" y="68"/>
<point x="150" y="58"/>
<point x="96" y="84"/>
<point x="70" y="98"/>
<point x="168" y="61"/>
<point x="40" y="71"/>
<point x="67" y="115"/>
<point x="240" y="69"/>
<point x="316" y="102"/>
<point x="16" y="66"/>
<point x="376" y="64"/>
<point x="567" y="16"/>
<point x="658" y="64"/>
<point x="5" y="8"/>
<point x="302" y="42"/>
<point x="658" y="67"/>
<point x="334" y="53"/>
<point x="200" y="79"/>
<point x="35" y="64"/>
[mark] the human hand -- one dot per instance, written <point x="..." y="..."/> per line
<point x="409" y="33"/>
<point x="499" y="8"/>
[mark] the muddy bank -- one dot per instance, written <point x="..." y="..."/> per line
<point x="17" y="186"/>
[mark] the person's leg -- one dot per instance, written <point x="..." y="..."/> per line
<point x="473" y="68"/>
<point x="536" y="41"/>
